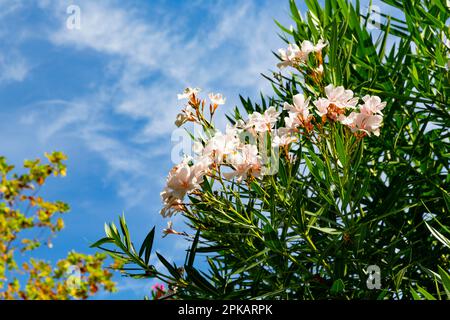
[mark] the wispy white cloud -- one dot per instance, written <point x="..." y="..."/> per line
<point x="232" y="53"/>
<point x="13" y="67"/>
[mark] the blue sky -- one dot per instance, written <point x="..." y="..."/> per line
<point x="106" y="96"/>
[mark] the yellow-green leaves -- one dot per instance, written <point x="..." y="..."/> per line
<point x="41" y="280"/>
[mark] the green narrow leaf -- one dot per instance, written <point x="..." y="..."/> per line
<point x="200" y="281"/>
<point x="382" y="294"/>
<point x="147" y="245"/>
<point x="248" y="266"/>
<point x="271" y="238"/>
<point x="107" y="230"/>
<point x="257" y="188"/>
<point x="312" y="169"/>
<point x="283" y="28"/>
<point x="358" y="155"/>
<point x="425" y="293"/>
<point x="445" y="278"/>
<point x="193" y="249"/>
<point x="283" y="174"/>
<point x="415" y="294"/>
<point x="114" y="234"/>
<point x="446" y="199"/>
<point x="125" y="232"/>
<point x="338" y="287"/>
<point x="172" y="270"/>
<point x="206" y="185"/>
<point x="438" y="236"/>
<point x="327" y="230"/>
<point x="295" y="13"/>
<point x="101" y="241"/>
<point x="398" y="278"/>
<point x="341" y="150"/>
<point x="415" y="75"/>
<point x="317" y="161"/>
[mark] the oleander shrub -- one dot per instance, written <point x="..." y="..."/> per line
<point x="341" y="171"/>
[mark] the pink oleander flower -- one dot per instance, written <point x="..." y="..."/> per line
<point x="158" y="286"/>
<point x="296" y="55"/>
<point x="298" y="115"/>
<point x="367" y="123"/>
<point x="320" y="45"/>
<point x="158" y="290"/>
<point x="263" y="122"/>
<point x="321" y="106"/>
<point x="293" y="121"/>
<point x="340" y="97"/>
<point x="288" y="56"/>
<point x="170" y="230"/>
<point x="245" y="162"/>
<point x="372" y="105"/>
<point x="369" y="119"/>
<point x="217" y="99"/>
<point x="197" y="147"/>
<point x="299" y="106"/>
<point x="283" y="137"/>
<point x="171" y="204"/>
<point x="297" y="120"/>
<point x="187" y="114"/>
<point x="182" y="179"/>
<point x="187" y="93"/>
<point x="336" y="102"/>
<point x="221" y="145"/>
<point x="348" y="120"/>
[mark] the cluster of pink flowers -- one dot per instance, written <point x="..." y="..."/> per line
<point x="333" y="107"/>
<point x="158" y="287"/>
<point x="239" y="158"/>
<point x="369" y="119"/>
<point x="158" y="290"/>
<point x="338" y="100"/>
<point x="234" y="154"/>
<point x="295" y="54"/>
